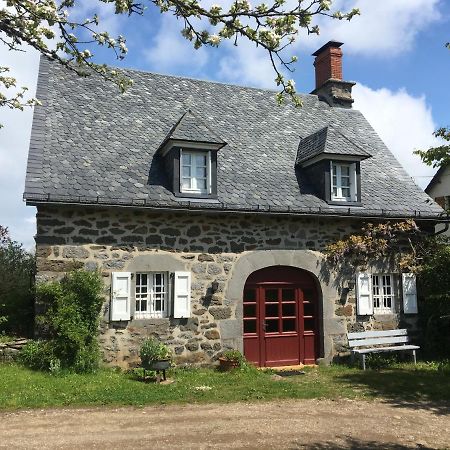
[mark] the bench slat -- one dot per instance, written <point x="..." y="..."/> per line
<point x="370" y="334"/>
<point x="377" y="341"/>
<point x="386" y="349"/>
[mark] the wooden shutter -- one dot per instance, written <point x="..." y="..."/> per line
<point x="409" y="293"/>
<point x="364" y="301"/>
<point x="120" y="295"/>
<point x="182" y="295"/>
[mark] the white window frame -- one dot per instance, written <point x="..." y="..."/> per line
<point x="194" y="189"/>
<point x="150" y="296"/>
<point x="383" y="293"/>
<point x="339" y="197"/>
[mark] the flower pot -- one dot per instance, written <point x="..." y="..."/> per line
<point x="162" y="364"/>
<point x="228" y="364"/>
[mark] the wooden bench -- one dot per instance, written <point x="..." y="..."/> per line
<point x="367" y="342"/>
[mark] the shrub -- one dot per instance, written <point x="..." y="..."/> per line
<point x="434" y="308"/>
<point x="153" y="350"/>
<point x="71" y="319"/>
<point x="36" y="355"/>
<point x="17" y="268"/>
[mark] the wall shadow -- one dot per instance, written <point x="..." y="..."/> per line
<point x="350" y="443"/>
<point x="405" y="388"/>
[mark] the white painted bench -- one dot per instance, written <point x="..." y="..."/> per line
<point x="367" y="342"/>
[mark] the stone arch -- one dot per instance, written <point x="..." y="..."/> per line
<point x="307" y="260"/>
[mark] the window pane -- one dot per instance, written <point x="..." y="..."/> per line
<point x="288" y="325"/>
<point x="200" y="172"/>
<point x="250" y="310"/>
<point x="287" y="295"/>
<point x="249" y="326"/>
<point x="186" y="183"/>
<point x="345" y="182"/>
<point x="308" y="295"/>
<point x="250" y="295"/>
<point x="271" y="295"/>
<point x="272" y="326"/>
<point x="200" y="160"/>
<point x="201" y="184"/>
<point x="288" y="309"/>
<point x="345" y="192"/>
<point x="308" y="309"/>
<point x="186" y="159"/>
<point x="309" y="324"/>
<point x="272" y="310"/>
<point x="186" y="171"/>
<point x="345" y="171"/>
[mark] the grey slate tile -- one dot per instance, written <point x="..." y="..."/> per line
<point x="87" y="139"/>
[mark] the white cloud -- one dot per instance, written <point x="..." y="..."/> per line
<point x="404" y="122"/>
<point x="14" y="141"/>
<point x="384" y="28"/>
<point x="171" y="52"/>
<point x="247" y="65"/>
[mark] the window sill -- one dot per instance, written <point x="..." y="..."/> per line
<point x="145" y="322"/>
<point x="195" y="195"/>
<point x="344" y="203"/>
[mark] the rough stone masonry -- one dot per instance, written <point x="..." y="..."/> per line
<point x="214" y="247"/>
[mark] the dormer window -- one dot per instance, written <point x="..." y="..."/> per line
<point x="343" y="182"/>
<point x="189" y="155"/>
<point x="195" y="171"/>
<point x="331" y="162"/>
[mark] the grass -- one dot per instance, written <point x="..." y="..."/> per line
<point x="24" y="388"/>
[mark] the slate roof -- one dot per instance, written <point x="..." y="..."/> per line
<point x="328" y="141"/>
<point x="91" y="144"/>
<point x="191" y="128"/>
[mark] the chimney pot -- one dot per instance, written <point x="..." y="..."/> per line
<point x="329" y="82"/>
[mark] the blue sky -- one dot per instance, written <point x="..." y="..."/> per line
<point x="394" y="51"/>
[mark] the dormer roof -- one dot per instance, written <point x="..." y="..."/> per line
<point x="328" y="142"/>
<point x="191" y="129"/>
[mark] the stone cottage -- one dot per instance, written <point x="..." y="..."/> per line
<point x="207" y="207"/>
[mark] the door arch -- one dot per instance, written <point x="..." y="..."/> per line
<point x="280" y="314"/>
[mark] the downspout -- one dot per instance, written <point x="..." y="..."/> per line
<point x="447" y="224"/>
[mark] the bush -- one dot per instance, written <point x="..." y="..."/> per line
<point x="434" y="308"/>
<point x="70" y="322"/>
<point x="36" y="355"/>
<point x="17" y="268"/>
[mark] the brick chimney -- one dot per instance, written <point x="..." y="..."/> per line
<point x="329" y="84"/>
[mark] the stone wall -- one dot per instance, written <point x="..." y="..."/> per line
<point x="10" y="350"/>
<point x="210" y="246"/>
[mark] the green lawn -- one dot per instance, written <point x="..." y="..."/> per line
<point x="23" y="388"/>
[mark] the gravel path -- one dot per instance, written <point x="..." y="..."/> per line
<point x="312" y="424"/>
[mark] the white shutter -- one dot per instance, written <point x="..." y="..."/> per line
<point x="364" y="302"/>
<point x="409" y="293"/>
<point x="120" y="295"/>
<point x="182" y="295"/>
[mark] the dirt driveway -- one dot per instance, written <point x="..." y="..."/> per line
<point x="314" y="424"/>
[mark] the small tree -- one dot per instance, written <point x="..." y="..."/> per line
<point x="17" y="269"/>
<point x="437" y="156"/>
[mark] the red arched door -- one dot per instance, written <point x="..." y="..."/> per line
<point x="280" y="317"/>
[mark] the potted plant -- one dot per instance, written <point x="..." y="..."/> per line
<point x="155" y="355"/>
<point x="231" y="359"/>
